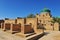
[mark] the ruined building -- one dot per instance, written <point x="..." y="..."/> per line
<point x="35" y="25"/>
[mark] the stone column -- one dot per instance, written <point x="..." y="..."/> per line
<point x="1" y="25"/>
<point x="4" y="27"/>
<point x="35" y="25"/>
<point x="22" y="29"/>
<point x="22" y="26"/>
<point x="11" y="28"/>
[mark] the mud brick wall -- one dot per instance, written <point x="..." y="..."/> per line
<point x="20" y="21"/>
<point x="16" y="27"/>
<point x="7" y="26"/>
<point x="56" y="26"/>
<point x="9" y="21"/>
<point x="26" y="29"/>
<point x="45" y="16"/>
<point x="49" y="26"/>
<point x="33" y="22"/>
<point x="45" y="19"/>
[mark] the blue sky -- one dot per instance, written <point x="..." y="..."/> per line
<point x="21" y="8"/>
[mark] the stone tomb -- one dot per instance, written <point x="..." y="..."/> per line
<point x="23" y="26"/>
<point x="11" y="27"/>
<point x="26" y="29"/>
<point x="5" y="26"/>
<point x="15" y="28"/>
<point x="30" y="27"/>
<point x="32" y="22"/>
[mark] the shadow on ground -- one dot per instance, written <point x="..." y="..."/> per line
<point x="38" y="36"/>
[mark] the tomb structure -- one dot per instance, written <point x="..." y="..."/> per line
<point x="35" y="25"/>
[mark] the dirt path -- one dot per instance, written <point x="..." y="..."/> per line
<point x="8" y="36"/>
<point x="54" y="35"/>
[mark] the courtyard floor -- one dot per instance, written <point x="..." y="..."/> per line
<point x="52" y="35"/>
<point x="9" y="36"/>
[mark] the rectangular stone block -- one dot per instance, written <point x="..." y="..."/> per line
<point x="16" y="27"/>
<point x="26" y="29"/>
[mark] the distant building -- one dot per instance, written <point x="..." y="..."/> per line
<point x="44" y="18"/>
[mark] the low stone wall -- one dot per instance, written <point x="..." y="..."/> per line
<point x="7" y="26"/>
<point x="26" y="29"/>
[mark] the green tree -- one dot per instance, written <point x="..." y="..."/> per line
<point x="56" y="19"/>
<point x="31" y="16"/>
<point x="6" y="18"/>
<point x="19" y="17"/>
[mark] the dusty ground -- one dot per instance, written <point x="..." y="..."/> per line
<point x="53" y="35"/>
<point x="8" y="36"/>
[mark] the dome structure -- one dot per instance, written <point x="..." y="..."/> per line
<point x="45" y="10"/>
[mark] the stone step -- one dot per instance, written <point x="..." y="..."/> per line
<point x="35" y="36"/>
<point x="30" y="34"/>
<point x="11" y="31"/>
<point x="24" y="35"/>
